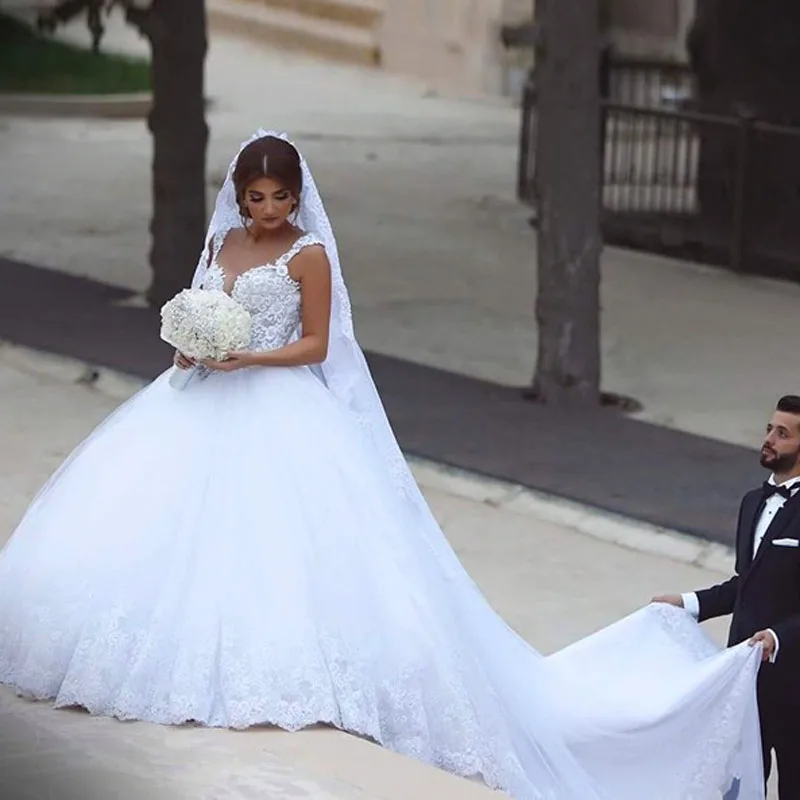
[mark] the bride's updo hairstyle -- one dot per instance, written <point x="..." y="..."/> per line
<point x="268" y="157"/>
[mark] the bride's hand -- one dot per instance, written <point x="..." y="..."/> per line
<point x="235" y="360"/>
<point x="181" y="361"/>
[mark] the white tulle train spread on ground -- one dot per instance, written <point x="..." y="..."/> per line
<point x="235" y="553"/>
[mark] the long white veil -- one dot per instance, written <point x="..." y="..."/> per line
<point x="345" y="371"/>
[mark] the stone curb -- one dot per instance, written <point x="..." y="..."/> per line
<point x="108" y="106"/>
<point x="602" y="525"/>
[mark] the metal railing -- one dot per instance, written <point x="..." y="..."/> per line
<point x="526" y="170"/>
<point x="718" y="189"/>
<point x="647" y="83"/>
<point x="639" y="82"/>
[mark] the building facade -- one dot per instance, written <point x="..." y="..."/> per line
<point x="455" y="45"/>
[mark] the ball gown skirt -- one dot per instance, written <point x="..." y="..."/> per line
<point x="236" y="553"/>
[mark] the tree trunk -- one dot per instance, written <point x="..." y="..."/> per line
<point x="180" y="136"/>
<point x="568" y="187"/>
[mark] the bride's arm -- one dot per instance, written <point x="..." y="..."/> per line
<point x="310" y="267"/>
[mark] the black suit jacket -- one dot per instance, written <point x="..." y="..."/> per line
<point x="765" y="591"/>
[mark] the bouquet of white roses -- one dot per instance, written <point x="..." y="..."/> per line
<point x="203" y="324"/>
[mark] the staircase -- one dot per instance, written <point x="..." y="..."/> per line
<point x="339" y="30"/>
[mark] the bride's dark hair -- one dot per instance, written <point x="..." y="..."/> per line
<point x="268" y="157"/>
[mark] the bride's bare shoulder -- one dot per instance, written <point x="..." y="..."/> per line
<point x="231" y="240"/>
<point x="236" y="236"/>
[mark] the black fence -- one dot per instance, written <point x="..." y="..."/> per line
<point x="723" y="190"/>
<point x="643" y="83"/>
<point x="720" y="190"/>
<point x="526" y="164"/>
<point x="647" y="83"/>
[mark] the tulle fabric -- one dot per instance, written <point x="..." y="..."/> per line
<point x="237" y="554"/>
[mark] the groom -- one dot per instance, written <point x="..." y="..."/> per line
<point x="764" y="594"/>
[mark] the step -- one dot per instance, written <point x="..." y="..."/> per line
<point x="292" y="30"/>
<point x="358" y="13"/>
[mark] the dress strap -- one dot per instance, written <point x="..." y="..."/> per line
<point x="306" y="240"/>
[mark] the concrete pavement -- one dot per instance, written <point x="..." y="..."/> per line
<point x="549" y="580"/>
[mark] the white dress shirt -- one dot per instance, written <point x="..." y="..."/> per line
<point x="772" y="506"/>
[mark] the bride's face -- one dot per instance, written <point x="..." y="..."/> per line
<point x="269" y="203"/>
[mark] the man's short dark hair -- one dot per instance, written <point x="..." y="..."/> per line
<point x="789" y="404"/>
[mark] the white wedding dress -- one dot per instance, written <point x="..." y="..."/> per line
<point x="237" y="553"/>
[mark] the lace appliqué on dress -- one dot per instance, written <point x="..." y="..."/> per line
<point x="268" y="292"/>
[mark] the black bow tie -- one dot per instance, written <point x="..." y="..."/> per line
<point x="771" y="489"/>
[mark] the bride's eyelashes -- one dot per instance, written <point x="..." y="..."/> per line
<point x="257" y="197"/>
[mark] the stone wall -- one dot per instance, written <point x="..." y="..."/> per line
<point x="454" y="45"/>
<point x="653" y="29"/>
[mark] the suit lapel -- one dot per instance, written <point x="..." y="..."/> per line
<point x="753" y="506"/>
<point x="778" y="525"/>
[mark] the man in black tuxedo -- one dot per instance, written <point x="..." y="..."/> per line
<point x="764" y="594"/>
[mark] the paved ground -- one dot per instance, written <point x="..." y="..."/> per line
<point x="550" y="582"/>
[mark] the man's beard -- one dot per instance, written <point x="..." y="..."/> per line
<point x="781" y="464"/>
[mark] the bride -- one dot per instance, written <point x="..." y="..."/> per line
<point x="253" y="550"/>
